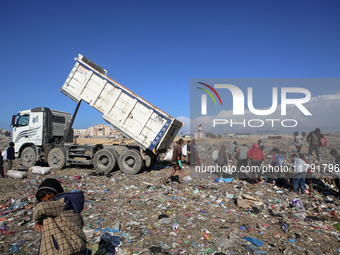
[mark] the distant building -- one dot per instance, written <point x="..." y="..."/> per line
<point x="200" y="135"/>
<point x="5" y="132"/>
<point x="227" y="134"/>
<point x="241" y="135"/>
<point x="80" y="132"/>
<point x="97" y="130"/>
<point x="264" y="134"/>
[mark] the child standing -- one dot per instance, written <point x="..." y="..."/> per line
<point x="309" y="174"/>
<point x="277" y="163"/>
<point x="299" y="173"/>
<point x="57" y="216"/>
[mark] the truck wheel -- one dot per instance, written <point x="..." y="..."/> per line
<point x="104" y="161"/>
<point x="130" y="162"/>
<point x="56" y="159"/>
<point x="116" y="156"/>
<point x="28" y="157"/>
<point x="150" y="161"/>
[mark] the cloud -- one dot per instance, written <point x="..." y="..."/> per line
<point x="324" y="110"/>
<point x="186" y="121"/>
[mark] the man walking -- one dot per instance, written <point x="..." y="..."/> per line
<point x="314" y="140"/>
<point x="176" y="162"/>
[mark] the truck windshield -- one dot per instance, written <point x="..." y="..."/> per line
<point x="23" y="121"/>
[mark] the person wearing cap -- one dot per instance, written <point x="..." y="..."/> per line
<point x="176" y="162"/>
<point x="57" y="216"/>
<point x="298" y="141"/>
<point x="314" y="140"/>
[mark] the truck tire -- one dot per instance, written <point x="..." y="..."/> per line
<point x="104" y="161"/>
<point x="150" y="161"/>
<point x="56" y="159"/>
<point x="28" y="157"/>
<point x="130" y="162"/>
<point x="116" y="155"/>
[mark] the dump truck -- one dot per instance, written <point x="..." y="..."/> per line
<point x="45" y="135"/>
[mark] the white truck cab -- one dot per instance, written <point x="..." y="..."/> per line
<point x="34" y="128"/>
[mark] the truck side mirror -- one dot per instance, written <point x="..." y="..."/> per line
<point x="13" y="121"/>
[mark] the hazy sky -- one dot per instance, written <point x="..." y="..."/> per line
<point x="155" y="47"/>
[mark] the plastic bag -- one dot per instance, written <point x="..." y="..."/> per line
<point x="4" y="154"/>
<point x="40" y="170"/>
<point x="17" y="174"/>
<point x="323" y="142"/>
<point x="185" y="150"/>
<point x="168" y="155"/>
<point x="214" y="155"/>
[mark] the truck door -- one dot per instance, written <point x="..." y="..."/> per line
<point x="28" y="129"/>
<point x="20" y="131"/>
<point x="35" y="135"/>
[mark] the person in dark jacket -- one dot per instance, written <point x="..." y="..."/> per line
<point x="314" y="140"/>
<point x="10" y="155"/>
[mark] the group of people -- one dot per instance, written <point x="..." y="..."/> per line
<point x="242" y="154"/>
<point x="300" y="172"/>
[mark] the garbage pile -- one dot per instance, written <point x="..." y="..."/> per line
<point x="208" y="214"/>
<point x="139" y="215"/>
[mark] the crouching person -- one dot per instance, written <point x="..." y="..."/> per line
<point x="57" y="216"/>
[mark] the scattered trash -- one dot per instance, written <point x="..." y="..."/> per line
<point x="256" y="242"/>
<point x="297" y="202"/>
<point x="40" y="170"/>
<point x="17" y="174"/>
<point x="126" y="214"/>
